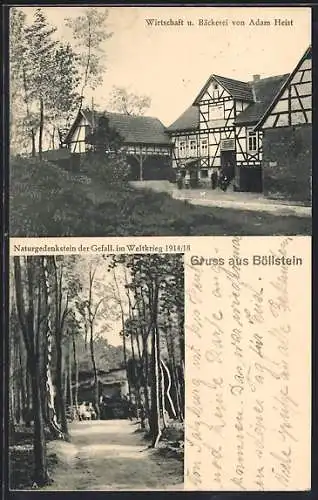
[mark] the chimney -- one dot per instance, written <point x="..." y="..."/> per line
<point x="256" y="78"/>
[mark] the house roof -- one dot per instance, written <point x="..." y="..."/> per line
<point x="265" y="89"/>
<point x="236" y="88"/>
<point x="262" y="90"/>
<point x="276" y="97"/>
<point x="133" y="129"/>
<point x="189" y="120"/>
<point x="56" y="154"/>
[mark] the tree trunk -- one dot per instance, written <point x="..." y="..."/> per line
<point x="76" y="373"/>
<point x="141" y="167"/>
<point x="145" y="357"/>
<point x="163" y="405"/>
<point x="125" y="358"/>
<point x="41" y="127"/>
<point x="33" y="143"/>
<point x="22" y="378"/>
<point x="96" y="387"/>
<point x="40" y="473"/>
<point x="123" y="329"/>
<point x="70" y="392"/>
<point x="141" y="384"/>
<point x="181" y="345"/>
<point x="137" y="385"/>
<point x="52" y="418"/>
<point x="155" y="358"/>
<point x="59" y="387"/>
<point x="175" y="376"/>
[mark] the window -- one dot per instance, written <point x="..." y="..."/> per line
<point x="204" y="147"/>
<point x="215" y="92"/>
<point x="182" y="148"/>
<point x="216" y="112"/>
<point x="204" y="174"/>
<point x="193" y="147"/>
<point x="251" y="140"/>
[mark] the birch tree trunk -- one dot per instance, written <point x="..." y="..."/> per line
<point x="54" y="426"/>
<point x="155" y="358"/>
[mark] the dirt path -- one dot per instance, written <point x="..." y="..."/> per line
<point x="110" y="455"/>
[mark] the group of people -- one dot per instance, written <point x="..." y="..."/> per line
<point x="217" y="178"/>
<point x="86" y="411"/>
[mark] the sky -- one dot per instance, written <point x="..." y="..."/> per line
<point x="108" y="321"/>
<point x="171" y="63"/>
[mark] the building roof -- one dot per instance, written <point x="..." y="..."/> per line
<point x="133" y="129"/>
<point x="236" y="88"/>
<point x="265" y="89"/>
<point x="259" y="93"/>
<point x="56" y="154"/>
<point x="189" y="120"/>
<point x="281" y="90"/>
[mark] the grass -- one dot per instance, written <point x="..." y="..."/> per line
<point x="49" y="201"/>
<point x="21" y="459"/>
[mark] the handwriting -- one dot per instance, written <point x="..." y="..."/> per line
<point x="242" y="411"/>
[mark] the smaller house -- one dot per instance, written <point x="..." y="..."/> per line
<point x="146" y="144"/>
<point x="111" y="383"/>
<point x="287" y="136"/>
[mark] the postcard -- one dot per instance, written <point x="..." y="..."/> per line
<point x="182" y="366"/>
<point x="160" y="249"/>
<point x="160" y="121"/>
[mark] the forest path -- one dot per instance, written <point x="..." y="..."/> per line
<point x="110" y="455"/>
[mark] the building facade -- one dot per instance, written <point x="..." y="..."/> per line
<point x="217" y="132"/>
<point x="287" y="137"/>
<point x="145" y="142"/>
<point x="255" y="136"/>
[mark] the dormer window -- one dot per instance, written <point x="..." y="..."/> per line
<point x="215" y="92"/>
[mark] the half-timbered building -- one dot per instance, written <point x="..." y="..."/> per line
<point x="287" y="136"/>
<point x="217" y="132"/>
<point x="145" y="141"/>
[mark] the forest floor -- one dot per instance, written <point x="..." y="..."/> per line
<point x="112" y="455"/>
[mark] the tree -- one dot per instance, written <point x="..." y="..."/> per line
<point x="23" y="119"/>
<point x="154" y="288"/>
<point x="40" y="53"/>
<point x="89" y="309"/>
<point x="28" y="303"/>
<point x="64" y="99"/>
<point x="89" y="32"/>
<point x="64" y="288"/>
<point x="105" y="161"/>
<point x="45" y="79"/>
<point x="129" y="103"/>
<point x="104" y="138"/>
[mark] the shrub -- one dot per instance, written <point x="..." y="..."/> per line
<point x="45" y="200"/>
<point x="111" y="169"/>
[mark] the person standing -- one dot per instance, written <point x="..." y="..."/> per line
<point x="214" y="178"/>
<point x="187" y="179"/>
<point x="179" y="179"/>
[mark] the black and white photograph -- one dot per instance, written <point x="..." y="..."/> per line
<point x="96" y="375"/>
<point x="160" y="121"/>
